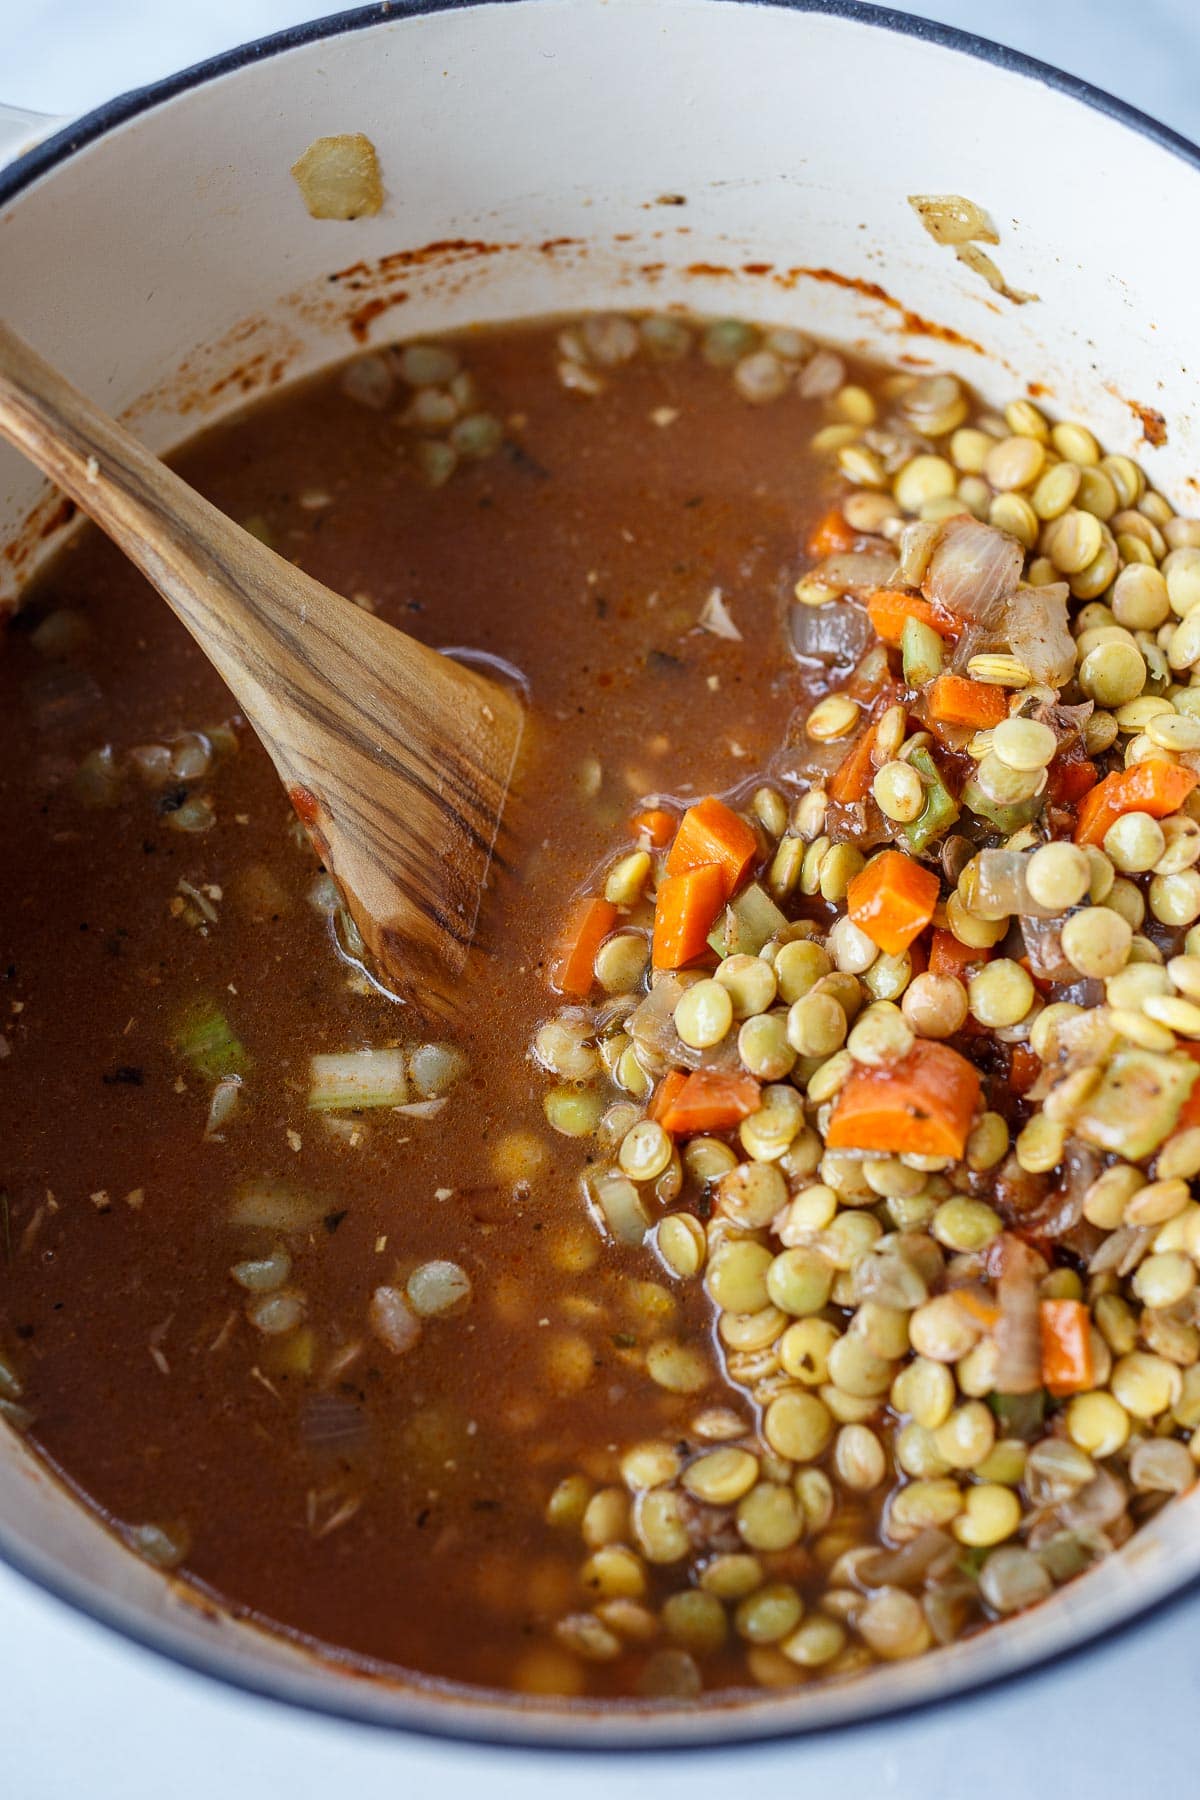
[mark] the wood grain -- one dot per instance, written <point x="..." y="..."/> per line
<point x="397" y="758"/>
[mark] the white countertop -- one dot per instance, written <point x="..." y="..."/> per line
<point x="85" y="1716"/>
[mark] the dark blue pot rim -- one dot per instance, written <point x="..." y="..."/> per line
<point x="700" y="1733"/>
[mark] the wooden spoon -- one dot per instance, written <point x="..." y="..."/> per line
<point x="397" y="759"/>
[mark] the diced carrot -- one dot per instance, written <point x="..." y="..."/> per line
<point x="948" y="957"/>
<point x="666" y="1094"/>
<point x="656" y="825"/>
<point x="922" y="1105"/>
<point x="1067" y="1363"/>
<point x="710" y="832"/>
<point x="589" y="924"/>
<point x="711" y="1100"/>
<point x="1069" y="780"/>
<point x="893" y="900"/>
<point x="888" y="608"/>
<point x="953" y="700"/>
<point x="1157" y="788"/>
<point x="854" y="774"/>
<point x="684" y="912"/>
<point x="829" y="535"/>
<point x="1024" y="1067"/>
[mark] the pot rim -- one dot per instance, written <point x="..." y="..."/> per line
<point x="456" y="1713"/>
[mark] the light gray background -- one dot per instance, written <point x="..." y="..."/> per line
<point x="82" y="1715"/>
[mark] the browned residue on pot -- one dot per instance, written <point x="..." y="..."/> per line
<point x="361" y="320"/>
<point x="910" y="321"/>
<point x="1153" y="424"/>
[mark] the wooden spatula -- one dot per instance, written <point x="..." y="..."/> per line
<point x="397" y="759"/>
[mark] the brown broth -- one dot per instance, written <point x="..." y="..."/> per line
<point x="582" y="553"/>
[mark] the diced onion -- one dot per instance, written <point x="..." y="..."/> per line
<point x="980" y="263"/>
<point x="621" y="1209"/>
<point x="434" y="1069"/>
<point x="1039" y="632"/>
<point x="952" y="219"/>
<point x="837" y="634"/>
<point x="339" y="177"/>
<point x="856" y="571"/>
<point x="974" y="570"/>
<point x="1018" y="1330"/>
<point x="715" y="617"/>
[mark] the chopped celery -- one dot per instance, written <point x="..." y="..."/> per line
<point x="1020" y="1415"/>
<point x="1004" y="818"/>
<point x="205" y="1038"/>
<point x="939" y="812"/>
<point x="921" y="652"/>
<point x="1138" y="1103"/>
<point x="747" y="923"/>
<point x="356" y="1079"/>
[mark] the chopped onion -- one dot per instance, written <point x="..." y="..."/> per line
<point x="973" y="570"/>
<point x="1018" y="1330"/>
<point x="199" y="899"/>
<point x="993" y="887"/>
<point x="980" y="263"/>
<point x="857" y="822"/>
<point x="422" y="1109"/>
<point x="339" y="177"/>
<point x="357" y="1078"/>
<point x="838" y="633"/>
<point x="392" y="1320"/>
<point x="951" y="219"/>
<point x="856" y="571"/>
<point x="1039" y="632"/>
<point x="909" y="1565"/>
<point x="434" y="1069"/>
<point x="621" y="1209"/>
<point x="715" y="617"/>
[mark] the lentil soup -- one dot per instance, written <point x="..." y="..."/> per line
<point x="791" y="1261"/>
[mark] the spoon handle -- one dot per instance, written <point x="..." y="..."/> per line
<point x="396" y="758"/>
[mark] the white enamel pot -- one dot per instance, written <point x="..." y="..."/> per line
<point x="538" y="157"/>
